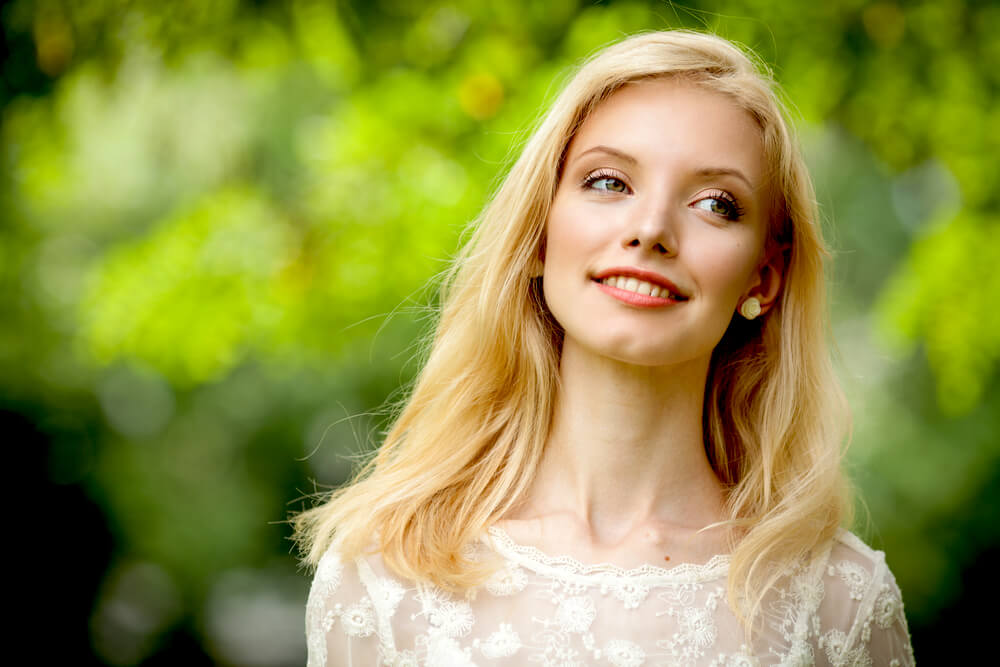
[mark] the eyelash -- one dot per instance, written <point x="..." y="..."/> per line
<point x="604" y="174"/>
<point x="735" y="210"/>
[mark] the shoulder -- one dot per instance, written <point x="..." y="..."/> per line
<point x="856" y="574"/>
<point x="861" y="617"/>
<point x="852" y="567"/>
<point x="350" y="603"/>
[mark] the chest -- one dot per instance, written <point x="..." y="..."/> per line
<point x="584" y="616"/>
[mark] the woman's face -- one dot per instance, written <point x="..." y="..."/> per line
<point x="657" y="230"/>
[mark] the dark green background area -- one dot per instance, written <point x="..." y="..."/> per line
<point x="221" y="227"/>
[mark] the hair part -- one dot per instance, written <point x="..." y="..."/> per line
<point x="467" y="444"/>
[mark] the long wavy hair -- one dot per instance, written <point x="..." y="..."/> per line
<point x="464" y="449"/>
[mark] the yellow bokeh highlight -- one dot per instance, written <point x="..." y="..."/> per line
<point x="481" y="95"/>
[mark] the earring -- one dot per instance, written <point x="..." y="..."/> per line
<point x="750" y="308"/>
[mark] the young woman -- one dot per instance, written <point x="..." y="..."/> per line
<point x="625" y="446"/>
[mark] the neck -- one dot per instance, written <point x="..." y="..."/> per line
<point x="626" y="448"/>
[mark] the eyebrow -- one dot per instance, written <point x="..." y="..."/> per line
<point x="625" y="157"/>
<point x="725" y="171"/>
<point x="702" y="172"/>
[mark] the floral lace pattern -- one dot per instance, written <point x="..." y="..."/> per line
<point x="841" y="609"/>
<point x="855" y="576"/>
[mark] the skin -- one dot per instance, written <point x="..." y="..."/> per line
<point x="650" y="182"/>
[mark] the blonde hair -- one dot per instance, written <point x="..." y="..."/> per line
<point x="465" y="448"/>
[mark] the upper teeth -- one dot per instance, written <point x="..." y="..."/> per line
<point x="637" y="286"/>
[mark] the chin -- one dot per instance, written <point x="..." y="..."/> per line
<point x="639" y="353"/>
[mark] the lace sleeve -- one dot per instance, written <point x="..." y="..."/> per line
<point x="883" y="625"/>
<point x="862" y="616"/>
<point x="341" y="627"/>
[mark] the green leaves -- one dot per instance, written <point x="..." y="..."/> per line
<point x="945" y="298"/>
<point x="196" y="294"/>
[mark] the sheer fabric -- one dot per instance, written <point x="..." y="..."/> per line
<point x="842" y="608"/>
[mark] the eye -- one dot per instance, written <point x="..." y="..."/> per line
<point x="606" y="182"/>
<point x="722" y="204"/>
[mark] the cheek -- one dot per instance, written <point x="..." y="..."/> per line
<point x="728" y="266"/>
<point x="567" y="235"/>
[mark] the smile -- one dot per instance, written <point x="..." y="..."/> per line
<point x="641" y="287"/>
<point x="638" y="293"/>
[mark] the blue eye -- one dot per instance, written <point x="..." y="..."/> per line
<point x="722" y="204"/>
<point x="609" y="184"/>
<point x="606" y="182"/>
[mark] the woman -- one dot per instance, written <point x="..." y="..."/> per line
<point x="625" y="445"/>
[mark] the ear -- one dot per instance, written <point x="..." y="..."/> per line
<point x="767" y="280"/>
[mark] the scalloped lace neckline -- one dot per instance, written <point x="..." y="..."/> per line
<point x="567" y="567"/>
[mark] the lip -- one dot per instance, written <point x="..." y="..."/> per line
<point x="641" y="274"/>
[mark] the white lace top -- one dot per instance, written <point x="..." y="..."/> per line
<point x="844" y="608"/>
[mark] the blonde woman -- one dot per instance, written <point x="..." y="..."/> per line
<point x="625" y="446"/>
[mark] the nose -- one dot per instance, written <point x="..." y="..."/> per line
<point x="652" y="229"/>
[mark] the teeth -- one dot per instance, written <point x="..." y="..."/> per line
<point x="638" y="286"/>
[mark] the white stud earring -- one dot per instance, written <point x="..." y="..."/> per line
<point x="750" y="308"/>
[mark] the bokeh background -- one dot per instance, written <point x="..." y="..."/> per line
<point x="220" y="228"/>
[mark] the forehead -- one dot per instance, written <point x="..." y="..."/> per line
<point x="673" y="122"/>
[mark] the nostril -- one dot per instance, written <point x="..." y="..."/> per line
<point x="660" y="249"/>
<point x="633" y="243"/>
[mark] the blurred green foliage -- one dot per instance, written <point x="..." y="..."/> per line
<point x="222" y="221"/>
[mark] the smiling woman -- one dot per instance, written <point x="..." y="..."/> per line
<point x="625" y="445"/>
<point x="663" y="187"/>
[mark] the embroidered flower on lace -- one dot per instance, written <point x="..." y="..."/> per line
<point x="807" y="590"/>
<point x="697" y="627"/>
<point x="329" y="573"/>
<point x="453" y="619"/>
<point x="854" y="575"/>
<point x="387" y="595"/>
<point x="623" y="653"/>
<point x="507" y="581"/>
<point x="443" y="650"/>
<point x="405" y="659"/>
<point x="834" y="643"/>
<point x="887" y="607"/>
<point x="503" y="643"/>
<point x="696" y="631"/>
<point x="576" y="614"/>
<point x="431" y="596"/>
<point x="358" y="620"/>
<point x="631" y="593"/>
